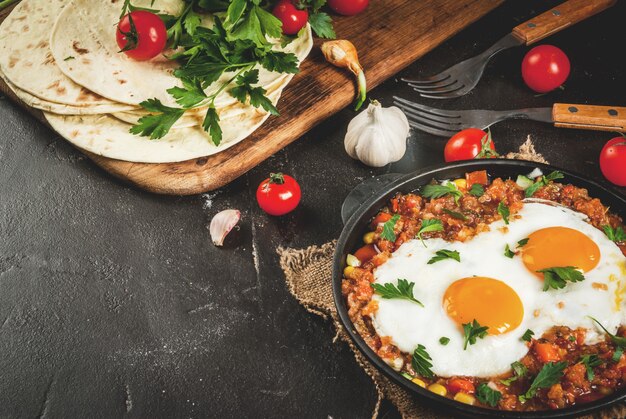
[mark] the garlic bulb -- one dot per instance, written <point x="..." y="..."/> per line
<point x="377" y="136"/>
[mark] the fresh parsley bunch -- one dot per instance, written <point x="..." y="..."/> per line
<point x="236" y="45"/>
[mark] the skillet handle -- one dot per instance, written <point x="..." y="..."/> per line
<point x="560" y="17"/>
<point x="591" y="117"/>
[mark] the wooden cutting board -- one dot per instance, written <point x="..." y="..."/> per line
<point x="389" y="36"/>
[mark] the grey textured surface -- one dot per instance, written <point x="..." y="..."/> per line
<point x="114" y="302"/>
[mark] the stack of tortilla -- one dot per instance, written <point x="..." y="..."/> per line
<point x="61" y="57"/>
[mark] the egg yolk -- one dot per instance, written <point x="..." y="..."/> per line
<point x="490" y="302"/>
<point x="558" y="247"/>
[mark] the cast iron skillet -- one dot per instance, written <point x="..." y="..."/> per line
<point x="356" y="226"/>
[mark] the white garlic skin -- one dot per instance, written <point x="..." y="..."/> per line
<point x="377" y="136"/>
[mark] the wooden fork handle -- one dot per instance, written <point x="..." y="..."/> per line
<point x="591" y="117"/>
<point x="559" y="17"/>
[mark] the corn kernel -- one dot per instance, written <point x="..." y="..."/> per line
<point x="460" y="183"/>
<point x="438" y="389"/>
<point x="348" y="271"/>
<point x="368" y="238"/>
<point x="464" y="398"/>
<point x="419" y="382"/>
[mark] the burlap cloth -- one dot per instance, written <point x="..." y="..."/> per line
<point x="309" y="278"/>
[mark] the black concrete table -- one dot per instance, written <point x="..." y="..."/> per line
<point x="114" y="302"/>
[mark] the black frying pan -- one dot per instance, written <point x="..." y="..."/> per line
<point x="351" y="237"/>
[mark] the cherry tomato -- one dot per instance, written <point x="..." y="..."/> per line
<point x="613" y="161"/>
<point x="147" y="40"/>
<point x="278" y="194"/>
<point x="471" y="143"/>
<point x="293" y="19"/>
<point x="545" y="68"/>
<point x="348" y="7"/>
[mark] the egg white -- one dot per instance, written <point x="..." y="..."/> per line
<point x="409" y="324"/>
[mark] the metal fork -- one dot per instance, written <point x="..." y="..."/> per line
<point x="461" y="78"/>
<point x="447" y="123"/>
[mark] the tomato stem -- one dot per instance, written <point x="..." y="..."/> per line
<point x="277" y="178"/>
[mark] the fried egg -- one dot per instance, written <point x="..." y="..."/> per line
<point x="505" y="294"/>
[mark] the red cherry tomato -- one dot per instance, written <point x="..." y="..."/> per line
<point x="293" y="19"/>
<point x="545" y="68"/>
<point x="613" y="161"/>
<point x="147" y="40"/>
<point x="348" y="7"/>
<point x="278" y="194"/>
<point x="471" y="143"/>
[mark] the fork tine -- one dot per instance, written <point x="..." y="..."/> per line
<point x="446" y="95"/>
<point x="429" y="116"/>
<point x="437" y="78"/>
<point x="451" y="125"/>
<point x="441" y="91"/>
<point x="431" y="130"/>
<point x="425" y="108"/>
<point x="446" y="83"/>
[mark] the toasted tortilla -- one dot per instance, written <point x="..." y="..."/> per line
<point x="108" y="136"/>
<point x="27" y="62"/>
<point x="100" y="67"/>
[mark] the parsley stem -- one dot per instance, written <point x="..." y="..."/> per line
<point x="223" y="86"/>
<point x="7" y="3"/>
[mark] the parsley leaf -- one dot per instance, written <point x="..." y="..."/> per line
<point x="504" y="212"/>
<point x="617" y="355"/>
<point x="158" y="124"/>
<point x="404" y="291"/>
<point x="455" y="214"/>
<point x="421" y="362"/>
<point x="388" y="233"/>
<point x="590" y="361"/>
<point x="438" y="191"/>
<point x="487" y="395"/>
<point x="472" y="331"/>
<point x="549" y="375"/>
<point x="244" y="89"/>
<point x="445" y="254"/>
<point x="444" y="340"/>
<point x="615" y="234"/>
<point x="558" y="277"/>
<point x="544" y="181"/>
<point x="190" y="95"/>
<point x="528" y="335"/>
<point x="246" y="20"/>
<point x="519" y="371"/>
<point x="322" y="25"/>
<point x="280" y="62"/>
<point x="522" y="242"/>
<point x="477" y="190"/>
<point x="618" y="340"/>
<point x="211" y="124"/>
<point x="428" y="226"/>
<point x="508" y="252"/>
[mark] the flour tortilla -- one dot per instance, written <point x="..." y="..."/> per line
<point x="108" y="136"/>
<point x="61" y="109"/>
<point x="27" y="62"/>
<point x="86" y="29"/>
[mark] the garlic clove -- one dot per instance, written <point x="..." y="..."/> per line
<point x="222" y="223"/>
